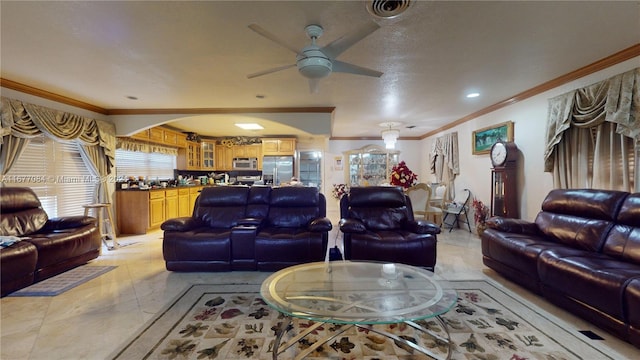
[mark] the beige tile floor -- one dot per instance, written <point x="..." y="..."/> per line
<point x="96" y="318"/>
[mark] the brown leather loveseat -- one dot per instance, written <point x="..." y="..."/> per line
<point x="248" y="228"/>
<point x="47" y="247"/>
<point x="582" y="253"/>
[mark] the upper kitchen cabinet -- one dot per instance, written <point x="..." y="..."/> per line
<point x="247" y="151"/>
<point x="224" y="158"/>
<point x="162" y="136"/>
<point x="283" y="146"/>
<point x="208" y="155"/>
<point x="190" y="158"/>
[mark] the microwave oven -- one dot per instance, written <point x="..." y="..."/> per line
<point x="245" y="164"/>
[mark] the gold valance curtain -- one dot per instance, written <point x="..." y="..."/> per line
<point x="593" y="135"/>
<point x="139" y="146"/>
<point x="615" y="100"/>
<point x="21" y="121"/>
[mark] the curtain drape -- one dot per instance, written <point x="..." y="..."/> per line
<point x="593" y="134"/>
<point x="444" y="161"/>
<point x="22" y="121"/>
<point x="133" y="145"/>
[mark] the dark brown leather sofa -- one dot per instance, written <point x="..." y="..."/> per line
<point x="48" y="246"/>
<point x="378" y="224"/>
<point x="581" y="253"/>
<point x="248" y="228"/>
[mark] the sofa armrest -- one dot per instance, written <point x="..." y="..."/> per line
<point x="320" y="225"/>
<point x="352" y="226"/>
<point x="516" y="226"/>
<point x="181" y="224"/>
<point x="423" y="227"/>
<point x="253" y="221"/>
<point x="68" y="222"/>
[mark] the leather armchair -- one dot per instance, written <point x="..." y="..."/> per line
<point x="378" y="224"/>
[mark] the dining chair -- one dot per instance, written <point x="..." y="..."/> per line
<point x="420" y="195"/>
<point x="436" y="203"/>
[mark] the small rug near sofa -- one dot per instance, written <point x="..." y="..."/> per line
<point x="67" y="280"/>
<point x="231" y="321"/>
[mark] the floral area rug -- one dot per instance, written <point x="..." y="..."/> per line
<point x="233" y="322"/>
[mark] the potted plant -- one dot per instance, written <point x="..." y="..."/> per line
<point x="481" y="213"/>
<point x="402" y="176"/>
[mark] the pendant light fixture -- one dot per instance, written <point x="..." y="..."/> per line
<point x="390" y="135"/>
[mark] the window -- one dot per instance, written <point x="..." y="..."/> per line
<point x="150" y="165"/>
<point x="57" y="174"/>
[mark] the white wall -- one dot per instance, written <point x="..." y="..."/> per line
<point x="530" y="118"/>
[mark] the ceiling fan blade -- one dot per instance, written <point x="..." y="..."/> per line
<point x="270" y="36"/>
<point x="339" y="45"/>
<point x="343" y="67"/>
<point x="269" y="71"/>
<point x="314" y="86"/>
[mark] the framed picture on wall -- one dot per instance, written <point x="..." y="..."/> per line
<point x="337" y="163"/>
<point x="483" y="139"/>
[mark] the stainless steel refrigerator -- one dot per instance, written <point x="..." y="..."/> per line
<point x="278" y="167"/>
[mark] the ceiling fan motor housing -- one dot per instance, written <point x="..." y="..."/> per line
<point x="314" y="64"/>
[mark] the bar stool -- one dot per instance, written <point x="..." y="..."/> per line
<point x="105" y="224"/>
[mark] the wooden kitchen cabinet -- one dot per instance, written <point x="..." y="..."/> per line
<point x="190" y="158"/>
<point x="171" y="204"/>
<point x="138" y="211"/>
<point x="194" y="192"/>
<point x="224" y="158"/>
<point x="284" y="146"/>
<point x="156" y="209"/>
<point x="208" y="155"/>
<point x="184" y="203"/>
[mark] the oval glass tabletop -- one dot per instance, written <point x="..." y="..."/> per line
<point x="358" y="292"/>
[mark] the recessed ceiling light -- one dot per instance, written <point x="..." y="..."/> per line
<point x="473" y="95"/>
<point x="249" y="126"/>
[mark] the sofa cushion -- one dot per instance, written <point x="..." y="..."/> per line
<point x="222" y="206"/>
<point x="591" y="278"/>
<point x="378" y="210"/>
<point x="294" y="207"/>
<point x="623" y="241"/>
<point x="22" y="213"/>
<point x="17" y="266"/>
<point x="632" y="306"/>
<point x="579" y="218"/>
<point x="202" y="244"/>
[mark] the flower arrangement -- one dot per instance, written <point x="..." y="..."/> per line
<point x="402" y="176"/>
<point x="339" y="190"/>
<point x="480" y="211"/>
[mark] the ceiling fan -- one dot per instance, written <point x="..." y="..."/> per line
<point x="315" y="62"/>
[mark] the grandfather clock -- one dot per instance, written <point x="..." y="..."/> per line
<point x="504" y="192"/>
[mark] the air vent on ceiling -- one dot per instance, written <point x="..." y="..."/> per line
<point x="387" y="9"/>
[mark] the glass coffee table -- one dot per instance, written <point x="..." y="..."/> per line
<point x="358" y="293"/>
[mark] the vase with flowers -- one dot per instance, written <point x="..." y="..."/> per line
<point x="481" y="213"/>
<point x="339" y="190"/>
<point x="402" y="176"/>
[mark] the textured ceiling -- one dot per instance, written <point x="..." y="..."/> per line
<point x="194" y="55"/>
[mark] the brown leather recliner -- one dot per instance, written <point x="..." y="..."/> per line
<point x="378" y="224"/>
<point x="47" y="247"/>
